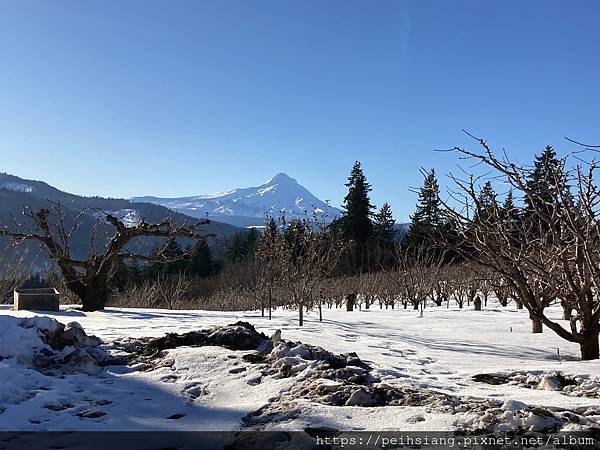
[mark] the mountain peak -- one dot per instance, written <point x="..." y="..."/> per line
<point x="281" y="177"/>
<point x="281" y="193"/>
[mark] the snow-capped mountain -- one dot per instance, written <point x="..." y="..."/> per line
<point x="250" y="206"/>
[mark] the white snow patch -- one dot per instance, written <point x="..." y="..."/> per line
<point x="17" y="187"/>
<point x="129" y="217"/>
<point x="213" y="388"/>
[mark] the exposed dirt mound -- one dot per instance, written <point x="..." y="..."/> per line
<point x="491" y="378"/>
<point x="571" y="385"/>
<point x="237" y="336"/>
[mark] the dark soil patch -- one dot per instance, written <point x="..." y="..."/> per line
<point x="255" y="358"/>
<point x="491" y="378"/>
<point x="237" y="336"/>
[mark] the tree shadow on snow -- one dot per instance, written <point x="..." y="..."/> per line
<point x="484" y="349"/>
<point x="171" y="314"/>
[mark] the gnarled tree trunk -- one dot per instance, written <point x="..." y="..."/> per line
<point x="589" y="347"/>
<point x="536" y="325"/>
<point x="350" y="300"/>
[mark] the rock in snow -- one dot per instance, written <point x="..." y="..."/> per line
<point x="276" y="337"/>
<point x="550" y="383"/>
<point x="513" y="406"/>
<point x="74" y="334"/>
<point x="360" y="397"/>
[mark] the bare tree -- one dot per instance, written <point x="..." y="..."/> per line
<point x="270" y="260"/>
<point x="310" y="257"/>
<point x="172" y="290"/>
<point x="441" y="288"/>
<point x="352" y="286"/>
<point x="7" y="286"/>
<point x="386" y="288"/>
<point x="369" y="283"/>
<point x="485" y="277"/>
<point x="229" y="298"/>
<point x="461" y="283"/>
<point x="142" y="295"/>
<point x="552" y="253"/>
<point x="502" y="289"/>
<point x="417" y="268"/>
<point x="89" y="278"/>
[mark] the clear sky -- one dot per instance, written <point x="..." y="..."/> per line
<point x="173" y="98"/>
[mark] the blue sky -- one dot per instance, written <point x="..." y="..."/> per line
<point x="174" y="98"/>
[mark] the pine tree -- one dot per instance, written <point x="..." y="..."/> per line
<point x="249" y="243"/>
<point x="427" y="219"/>
<point x="201" y="263"/>
<point x="356" y="221"/>
<point x="385" y="235"/>
<point x="543" y="185"/>
<point x="384" y="223"/>
<point x="487" y="203"/>
<point x="509" y="212"/>
<point x="235" y="249"/>
<point x="126" y="273"/>
<point x="169" y="259"/>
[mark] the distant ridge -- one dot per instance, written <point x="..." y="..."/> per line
<point x="17" y="193"/>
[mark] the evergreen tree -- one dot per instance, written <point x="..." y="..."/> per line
<point x="120" y="279"/>
<point x="509" y="211"/>
<point x="270" y="233"/>
<point x="384" y="235"/>
<point x="241" y="246"/>
<point x="201" y="262"/>
<point x="127" y="273"/>
<point x="356" y="221"/>
<point x="135" y="273"/>
<point x="167" y="259"/>
<point x="384" y="223"/>
<point x="249" y="243"/>
<point x="427" y="219"/>
<point x="511" y="217"/>
<point x="544" y="184"/>
<point x="235" y="249"/>
<point x="487" y="203"/>
<point x="34" y="281"/>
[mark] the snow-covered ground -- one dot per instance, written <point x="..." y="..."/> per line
<point x="213" y="388"/>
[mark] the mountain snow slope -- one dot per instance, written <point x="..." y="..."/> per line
<point x="250" y="206"/>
